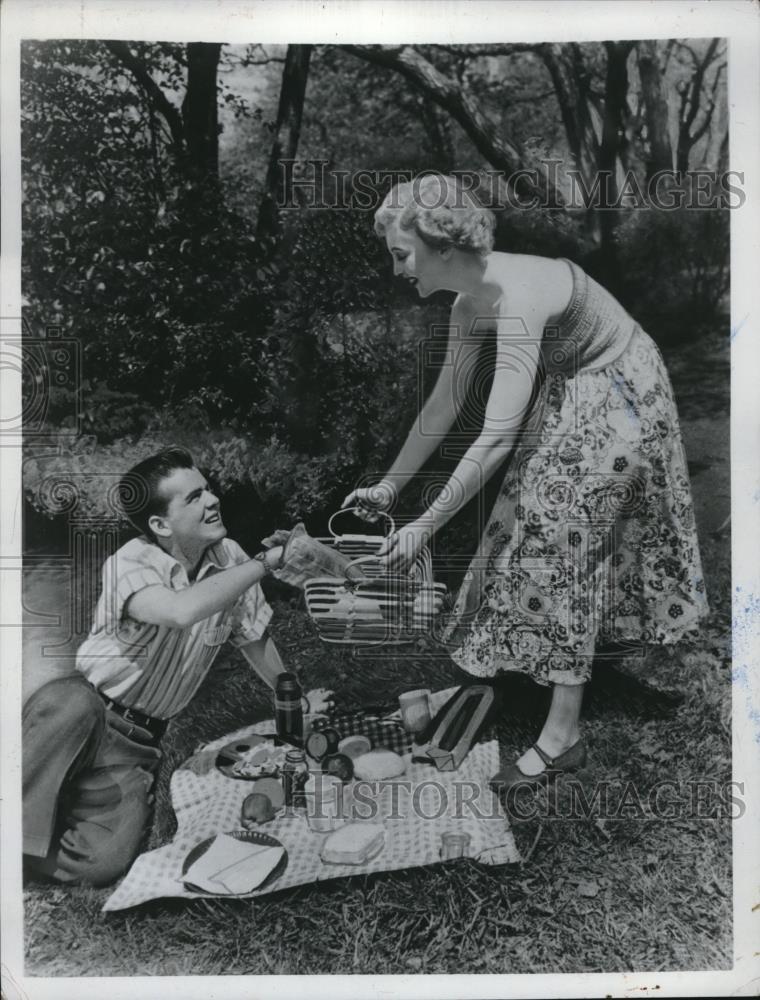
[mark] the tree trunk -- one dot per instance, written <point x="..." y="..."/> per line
<point x="613" y="135"/>
<point x="153" y="92"/>
<point x="691" y="95"/>
<point x="194" y="131"/>
<point x="437" y="128"/>
<point x="286" y="134"/>
<point x="570" y="80"/>
<point x="199" y="112"/>
<point x="660" y="152"/>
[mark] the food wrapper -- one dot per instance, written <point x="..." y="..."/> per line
<point x="304" y="558"/>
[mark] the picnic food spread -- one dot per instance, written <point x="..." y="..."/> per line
<point x="282" y="777"/>
<point x="285" y="777"/>
<point x="208" y="798"/>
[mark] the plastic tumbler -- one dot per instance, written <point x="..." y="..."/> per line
<point x="415" y="710"/>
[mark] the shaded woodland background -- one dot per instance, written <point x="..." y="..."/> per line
<point x="275" y="343"/>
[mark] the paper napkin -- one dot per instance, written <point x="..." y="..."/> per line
<point x="232" y="866"/>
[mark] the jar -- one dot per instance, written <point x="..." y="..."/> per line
<point x="294" y="774"/>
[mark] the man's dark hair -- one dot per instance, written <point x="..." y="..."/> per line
<point x="139" y="493"/>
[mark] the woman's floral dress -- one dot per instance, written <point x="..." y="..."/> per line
<point x="592" y="538"/>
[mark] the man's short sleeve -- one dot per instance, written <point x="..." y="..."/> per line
<point x="124" y="574"/>
<point x="251" y="614"/>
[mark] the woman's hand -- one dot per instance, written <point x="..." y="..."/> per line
<point x="370" y="501"/>
<point x="400" y="549"/>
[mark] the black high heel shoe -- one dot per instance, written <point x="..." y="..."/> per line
<point x="511" y="776"/>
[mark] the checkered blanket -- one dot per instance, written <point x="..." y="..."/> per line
<point x="415" y="811"/>
<point x="386" y="731"/>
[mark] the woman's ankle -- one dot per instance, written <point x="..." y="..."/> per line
<point x="556" y="742"/>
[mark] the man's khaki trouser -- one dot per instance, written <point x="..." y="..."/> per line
<point x="86" y="784"/>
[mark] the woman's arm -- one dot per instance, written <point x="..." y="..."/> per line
<point x="517" y="355"/>
<point x="438" y="413"/>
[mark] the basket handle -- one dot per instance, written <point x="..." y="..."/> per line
<point x="356" y="510"/>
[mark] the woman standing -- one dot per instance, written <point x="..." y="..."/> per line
<point x="592" y="537"/>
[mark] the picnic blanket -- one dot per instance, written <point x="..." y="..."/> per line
<point x="415" y="810"/>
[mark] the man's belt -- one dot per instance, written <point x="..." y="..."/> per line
<point x="156" y="727"/>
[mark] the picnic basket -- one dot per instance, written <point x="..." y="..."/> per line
<point x="372" y="606"/>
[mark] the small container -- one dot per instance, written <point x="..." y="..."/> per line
<point x="322" y="743"/>
<point x="294" y="775"/>
<point x="415" y="710"/>
<point x="288" y="709"/>
<point x="326" y="802"/>
<point x="454" y="845"/>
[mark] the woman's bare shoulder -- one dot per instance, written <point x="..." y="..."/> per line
<point x="542" y="283"/>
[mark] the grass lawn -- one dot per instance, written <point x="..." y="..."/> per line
<point x="625" y="894"/>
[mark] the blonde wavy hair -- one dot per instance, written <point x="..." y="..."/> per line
<point x="441" y="211"/>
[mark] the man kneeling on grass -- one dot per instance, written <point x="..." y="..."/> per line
<point x="170" y="599"/>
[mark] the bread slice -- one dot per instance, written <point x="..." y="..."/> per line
<point x="354" y="844"/>
<point x="379" y="765"/>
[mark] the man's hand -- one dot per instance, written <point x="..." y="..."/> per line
<point x="273" y="557"/>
